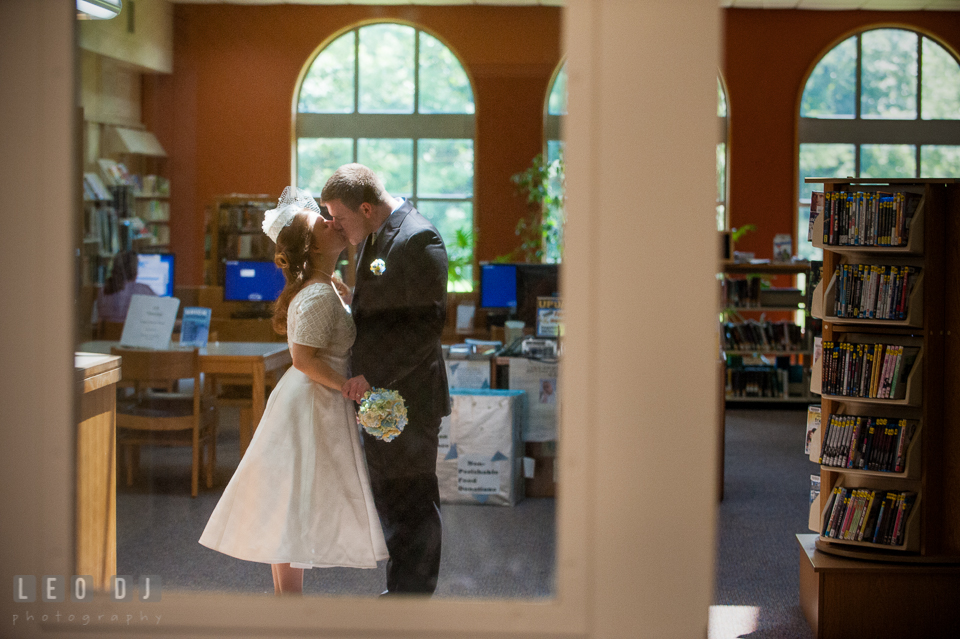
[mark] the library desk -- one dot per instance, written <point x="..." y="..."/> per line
<point x="843" y="598"/>
<point x="250" y="360"/>
<point x="96" y="377"/>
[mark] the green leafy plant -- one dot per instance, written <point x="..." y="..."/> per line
<point x="460" y="261"/>
<point x="737" y="233"/>
<point x="541" y="230"/>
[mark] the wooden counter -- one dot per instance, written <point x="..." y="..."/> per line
<point x="96" y="516"/>
<point x="843" y="598"/>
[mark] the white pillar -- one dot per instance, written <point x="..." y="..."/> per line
<point x="38" y="209"/>
<point x="641" y="309"/>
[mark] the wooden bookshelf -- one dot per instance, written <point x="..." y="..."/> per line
<point x="802" y="356"/>
<point x="931" y="538"/>
<point x="228" y="219"/>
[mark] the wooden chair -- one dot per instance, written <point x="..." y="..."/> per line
<point x="111" y="331"/>
<point x="152" y="418"/>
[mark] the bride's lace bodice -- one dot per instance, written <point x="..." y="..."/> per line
<point x="316" y="317"/>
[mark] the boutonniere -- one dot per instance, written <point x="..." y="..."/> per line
<point x="377" y="267"/>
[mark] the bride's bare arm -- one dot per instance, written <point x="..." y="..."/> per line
<point x="307" y="361"/>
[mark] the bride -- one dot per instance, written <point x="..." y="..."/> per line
<point x="300" y="497"/>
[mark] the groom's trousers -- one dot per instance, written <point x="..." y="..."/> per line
<point x="409" y="509"/>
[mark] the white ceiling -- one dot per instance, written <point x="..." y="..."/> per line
<point x="878" y="5"/>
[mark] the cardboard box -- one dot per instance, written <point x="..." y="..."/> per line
<point x="468" y="373"/>
<point x="542" y="482"/>
<point x="480" y="458"/>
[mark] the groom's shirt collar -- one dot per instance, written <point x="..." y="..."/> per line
<point x="379" y="231"/>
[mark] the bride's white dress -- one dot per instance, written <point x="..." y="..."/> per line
<point x="301" y="493"/>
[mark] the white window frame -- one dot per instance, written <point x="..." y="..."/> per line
<point x="723" y="137"/>
<point x="858" y="131"/>
<point x="414" y="126"/>
<point x="636" y="516"/>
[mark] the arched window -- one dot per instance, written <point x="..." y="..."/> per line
<point x="721" y="156"/>
<point x="395" y="98"/>
<point x="556" y="110"/>
<point x="883" y="103"/>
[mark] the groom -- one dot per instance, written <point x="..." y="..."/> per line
<point x="399" y="307"/>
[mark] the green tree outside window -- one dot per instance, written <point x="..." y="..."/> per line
<point x="396" y="99"/>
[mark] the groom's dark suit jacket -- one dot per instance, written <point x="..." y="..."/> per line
<point x="399" y="317"/>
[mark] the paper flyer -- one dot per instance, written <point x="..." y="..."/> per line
<point x="149" y="322"/>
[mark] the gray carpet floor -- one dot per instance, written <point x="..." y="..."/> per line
<point x="765" y="504"/>
<point x="499" y="552"/>
<point x="488" y="551"/>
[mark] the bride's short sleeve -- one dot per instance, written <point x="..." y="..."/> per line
<point x="314" y="317"/>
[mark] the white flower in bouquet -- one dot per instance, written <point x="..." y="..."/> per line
<point x="382" y="413"/>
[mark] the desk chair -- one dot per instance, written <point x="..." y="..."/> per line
<point x="152" y="418"/>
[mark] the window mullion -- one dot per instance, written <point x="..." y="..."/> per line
<point x="416" y="162"/>
<point x="859" y="82"/>
<point x="919" y="79"/>
<point x="356" y="73"/>
<point x="416" y="71"/>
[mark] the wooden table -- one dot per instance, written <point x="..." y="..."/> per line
<point x="249" y="359"/>
<point x="96" y="378"/>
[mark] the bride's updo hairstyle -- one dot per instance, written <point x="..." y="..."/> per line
<point x="293" y="257"/>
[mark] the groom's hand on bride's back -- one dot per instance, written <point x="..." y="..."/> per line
<point x="343" y="290"/>
<point x="355" y="387"/>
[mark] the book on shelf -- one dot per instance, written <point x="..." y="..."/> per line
<point x="864" y="514"/>
<point x="160" y="233"/>
<point x="757" y="381"/>
<point x="742" y="292"/>
<point x="154" y="210"/>
<point x="866" y="219"/>
<point x="195" y="326"/>
<point x="866" y="443"/>
<point x="763" y="336"/>
<point x="816" y="210"/>
<point x="865" y="291"/>
<point x="811" y="446"/>
<point x="114" y="173"/>
<point x="782" y="247"/>
<point x="94" y="188"/>
<point x="155" y="185"/>
<point x="877" y="371"/>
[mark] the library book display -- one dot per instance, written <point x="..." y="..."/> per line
<point x="766" y="361"/>
<point x="885" y="557"/>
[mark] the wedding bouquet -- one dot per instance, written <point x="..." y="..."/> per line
<point x="382" y="413"/>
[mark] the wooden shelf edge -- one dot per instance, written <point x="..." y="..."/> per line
<point x="767" y="352"/>
<point x="770" y="268"/>
<point x="772" y="400"/>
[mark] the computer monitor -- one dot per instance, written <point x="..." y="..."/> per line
<point x="511" y="290"/>
<point x="498" y="286"/>
<point x="252" y="281"/>
<point x="156" y="271"/>
<point x="535" y="281"/>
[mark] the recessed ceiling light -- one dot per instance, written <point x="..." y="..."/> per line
<point x="98" y="9"/>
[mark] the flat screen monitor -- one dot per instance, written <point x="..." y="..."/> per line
<point x="534" y="281"/>
<point x="498" y="286"/>
<point x="252" y="281"/>
<point x="156" y="271"/>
